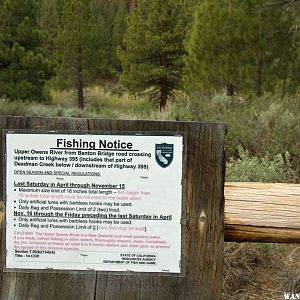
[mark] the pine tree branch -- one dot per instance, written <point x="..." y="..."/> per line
<point x="153" y="91"/>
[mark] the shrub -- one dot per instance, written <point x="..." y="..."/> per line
<point x="261" y="125"/>
<point x="26" y="108"/>
<point x="14" y="108"/>
<point x="265" y="169"/>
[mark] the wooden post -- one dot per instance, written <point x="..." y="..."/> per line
<point x="204" y="194"/>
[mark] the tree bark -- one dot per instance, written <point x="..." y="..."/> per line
<point x="283" y="90"/>
<point x="133" y="4"/>
<point x="229" y="89"/>
<point x="79" y="84"/>
<point x="80" y="95"/>
<point x="163" y="94"/>
<point x="259" y="76"/>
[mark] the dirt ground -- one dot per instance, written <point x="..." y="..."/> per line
<point x="271" y="272"/>
<point x="263" y="286"/>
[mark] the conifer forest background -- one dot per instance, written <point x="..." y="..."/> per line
<point x="233" y="61"/>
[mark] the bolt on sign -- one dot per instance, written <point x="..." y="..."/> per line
<point x="93" y="202"/>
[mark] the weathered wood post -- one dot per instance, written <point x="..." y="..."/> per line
<point x="203" y="227"/>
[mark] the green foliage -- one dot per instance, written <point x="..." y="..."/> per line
<point x="272" y="248"/>
<point x="118" y="32"/>
<point x="27" y="108"/>
<point x="265" y="169"/>
<point x="24" y="68"/>
<point x="100" y="101"/>
<point x="153" y="50"/>
<point x="261" y="125"/>
<point x="13" y="108"/>
<point x="216" y="45"/>
<point x="239" y="45"/>
<point x="49" y="21"/>
<point x="141" y="109"/>
<point x="113" y="15"/>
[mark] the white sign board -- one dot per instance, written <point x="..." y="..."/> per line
<point x="93" y="202"/>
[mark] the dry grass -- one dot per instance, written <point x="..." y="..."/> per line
<point x="289" y="274"/>
<point x="239" y="263"/>
<point x="260" y="269"/>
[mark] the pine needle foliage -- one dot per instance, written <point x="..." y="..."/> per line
<point x="24" y="68"/>
<point x="152" y="56"/>
<point x="238" y="45"/>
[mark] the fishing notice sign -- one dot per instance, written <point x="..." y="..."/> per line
<point x="93" y="202"/>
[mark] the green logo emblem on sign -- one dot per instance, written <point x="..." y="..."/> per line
<point x="164" y="154"/>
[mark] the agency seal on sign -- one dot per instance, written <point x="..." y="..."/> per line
<point x="164" y="154"/>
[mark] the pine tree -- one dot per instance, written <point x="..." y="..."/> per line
<point x="113" y="15"/>
<point x="153" y="50"/>
<point x="216" y="48"/>
<point x="271" y="42"/>
<point x="49" y="21"/>
<point x="23" y="67"/>
<point x="234" y="44"/>
<point x="79" y="46"/>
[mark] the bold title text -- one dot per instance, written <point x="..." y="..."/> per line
<point x="102" y="144"/>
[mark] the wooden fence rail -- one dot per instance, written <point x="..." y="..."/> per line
<point x="262" y="212"/>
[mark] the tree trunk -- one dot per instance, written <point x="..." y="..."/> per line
<point x="80" y="98"/>
<point x="283" y="90"/>
<point x="163" y="94"/>
<point x="79" y="84"/>
<point x="229" y="89"/>
<point x="259" y="76"/>
<point x="163" y="84"/>
<point x="133" y="4"/>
